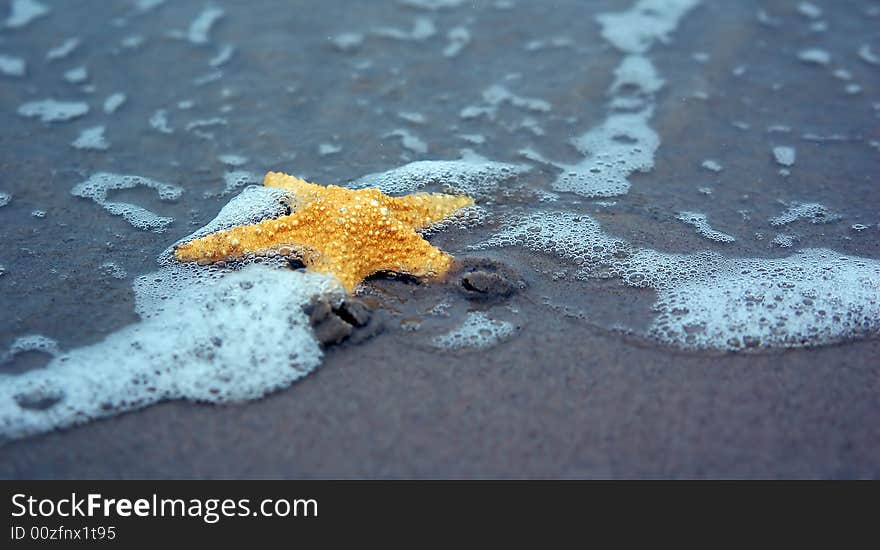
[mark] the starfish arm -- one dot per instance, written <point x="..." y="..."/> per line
<point x="299" y="188"/>
<point x="422" y="210"/>
<point x="242" y="240"/>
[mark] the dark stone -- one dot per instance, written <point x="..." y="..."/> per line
<point x="354" y="312"/>
<point x="332" y="330"/>
<point x="352" y="320"/>
<point x="487" y="279"/>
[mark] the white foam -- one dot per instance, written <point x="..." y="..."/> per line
<point x="147" y="5"/>
<point x="868" y="56"/>
<point x="413" y="117"/>
<point x="92" y="139"/>
<point x="458" y="38"/>
<point x="100" y="184"/>
<point x="30" y="342"/>
<point x="812" y="211"/>
<point x="623" y="144"/>
<point x="159" y="121"/>
<point x="432" y="5"/>
<point x="712" y="165"/>
<point x="77" y="75"/>
<point x="701" y="223"/>
<point x="496" y="95"/>
<point x="114" y="270"/>
<point x="200" y="29"/>
<point x="12" y="66"/>
<point x="814" y="297"/>
<point x="325" y="149"/>
<point x="785" y="156"/>
<point x="347" y="41"/>
<point x="5" y="198"/>
<point x="423" y="28"/>
<point x="218" y="340"/>
<point x="63" y="50"/>
<point x="648" y="21"/>
<point x="50" y="110"/>
<point x="815" y="56"/>
<point x="22" y="12"/>
<point x="783" y="240"/>
<point x="223" y="56"/>
<point x="114" y="102"/>
<point x="636" y="72"/>
<point x="233" y="160"/>
<point x="477" y="332"/>
<point x="472" y="174"/>
<point x="409" y="140"/>
<point x="709" y="301"/>
<point x="809" y="10"/>
<point x="236" y="179"/>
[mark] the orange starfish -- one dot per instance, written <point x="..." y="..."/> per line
<point x="349" y="234"/>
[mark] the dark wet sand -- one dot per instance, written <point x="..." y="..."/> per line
<point x="556" y="401"/>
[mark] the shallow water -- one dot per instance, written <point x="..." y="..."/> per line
<point x="346" y="90"/>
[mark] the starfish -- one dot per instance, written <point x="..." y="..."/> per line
<point x="349" y="234"/>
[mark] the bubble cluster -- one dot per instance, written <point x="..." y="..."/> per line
<point x="810" y="211"/>
<point x="472" y="175"/>
<point x="50" y="110"/>
<point x="701" y="223"/>
<point x="100" y="184"/>
<point x="477" y="332"/>
<point x="623" y="144"/>
<point x="221" y="340"/>
<point x="709" y="301"/>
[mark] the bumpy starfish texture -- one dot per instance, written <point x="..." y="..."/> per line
<point x="349" y="234"/>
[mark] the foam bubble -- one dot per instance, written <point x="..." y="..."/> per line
<point x="636" y="72"/>
<point x="712" y="165"/>
<point x="92" y="139"/>
<point x="423" y="28"/>
<point x="809" y="10"/>
<point x="648" y="21"/>
<point x="477" y="332"/>
<point x="812" y="211"/>
<point x="325" y="149"/>
<point x="623" y="144"/>
<point x="5" y="198"/>
<point x="785" y="156"/>
<point x="12" y="66"/>
<point x="63" y="50"/>
<point x="701" y="223"/>
<point x="223" y="56"/>
<point x="813" y="297"/>
<point x="159" y="121"/>
<point x="432" y="5"/>
<point x="229" y="339"/>
<point x="50" y="110"/>
<point x="77" y="75"/>
<point x="458" y="38"/>
<point x="348" y="41"/>
<point x="30" y="342"/>
<point x="815" y="56"/>
<point x="709" y="301"/>
<point x="496" y="95"/>
<point x="409" y="140"/>
<point x="868" y="56"/>
<point x="472" y="174"/>
<point x="100" y="184"/>
<point x="114" y="102"/>
<point x="201" y="26"/>
<point x="233" y="160"/>
<point x="22" y="12"/>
